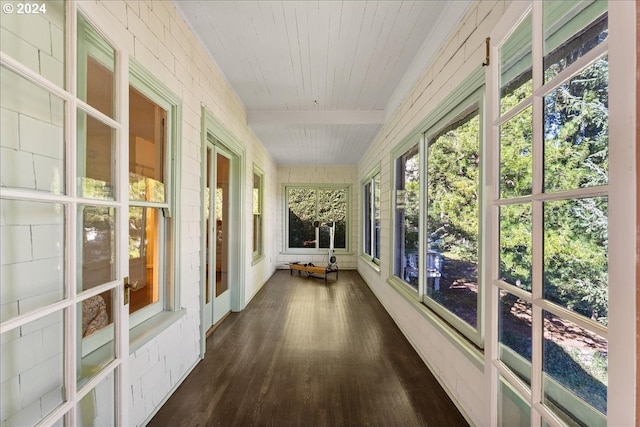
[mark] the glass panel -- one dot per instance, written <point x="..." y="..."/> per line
<point x="376" y="216"/>
<point x="97" y="249"/>
<point x="367" y="218"/>
<point x="32" y="144"/>
<point x="32" y="256"/>
<point x="144" y="256"/>
<point x="576" y="131"/>
<point x="516" y="167"/>
<point x="96" y="158"/>
<point x="302" y="214"/>
<point x="515" y="67"/>
<point x="575" y="365"/>
<point x="208" y="233"/>
<point x="513" y="409"/>
<point x="332" y="208"/>
<point x="96" y="62"/>
<point x="515" y="245"/>
<point x="514" y="334"/>
<point x="453" y="180"/>
<point x="96" y="334"/>
<point x="223" y="175"/>
<point x="32" y="370"/>
<point x="41" y="50"/>
<point x="97" y="408"/>
<point x="576" y="255"/>
<point x="567" y="33"/>
<point x="147" y="146"/>
<point x="257" y="214"/>
<point x="407" y="204"/>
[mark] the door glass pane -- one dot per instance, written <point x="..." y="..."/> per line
<point x="366" y="197"/>
<point x="332" y="208"/>
<point x="144" y="256"/>
<point x="96" y="62"/>
<point x="513" y="409"/>
<point x="302" y="214"/>
<point x="97" y="247"/>
<point x="575" y="367"/>
<point x="515" y="67"/>
<point x="407" y="203"/>
<point x="32" y="256"/>
<point x="147" y="145"/>
<point x="32" y="145"/>
<point x="32" y="370"/>
<point x="571" y="29"/>
<point x="97" y="408"/>
<point x="223" y="175"/>
<point x="453" y="209"/>
<point x="576" y="130"/>
<point x="208" y="233"/>
<point x="41" y="50"/>
<point x="576" y="255"/>
<point x="96" y="334"/>
<point x="514" y="334"/>
<point x="516" y="164"/>
<point x="515" y="245"/>
<point x="376" y="216"/>
<point x="96" y="158"/>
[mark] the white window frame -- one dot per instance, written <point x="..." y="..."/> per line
<point x="373" y="180"/>
<point x="317" y="249"/>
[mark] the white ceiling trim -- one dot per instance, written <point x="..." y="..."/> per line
<point x="316" y="117"/>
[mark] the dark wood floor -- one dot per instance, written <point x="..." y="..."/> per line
<point x="306" y="354"/>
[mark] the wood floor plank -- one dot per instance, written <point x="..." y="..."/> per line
<point x="308" y="354"/>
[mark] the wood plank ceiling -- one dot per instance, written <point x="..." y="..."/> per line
<point x="318" y="78"/>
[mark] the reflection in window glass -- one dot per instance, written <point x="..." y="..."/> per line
<point x="576" y="131"/>
<point x="147" y="149"/>
<point x="576" y="360"/>
<point x="97" y="247"/>
<point x="453" y="209"/>
<point x="575" y="255"/>
<point x="407" y="205"/>
<point x="513" y="409"/>
<point x="515" y="245"/>
<point x="514" y="334"/>
<point x="96" y="144"/>
<point x="516" y="82"/>
<point x="144" y="257"/>
<point x="97" y="407"/>
<point x="516" y="164"/>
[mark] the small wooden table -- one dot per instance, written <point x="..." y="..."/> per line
<point x="312" y="269"/>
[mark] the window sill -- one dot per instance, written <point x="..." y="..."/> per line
<point x="470" y="351"/>
<point x="314" y="252"/>
<point x="367" y="260"/>
<point x="149" y="329"/>
<point x="257" y="259"/>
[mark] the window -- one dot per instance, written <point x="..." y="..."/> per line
<point x="312" y="210"/>
<point x="551" y="198"/>
<point x="257" y="195"/>
<point x="152" y="122"/>
<point x="371" y="217"/>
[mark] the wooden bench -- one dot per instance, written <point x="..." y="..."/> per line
<point x="312" y="269"/>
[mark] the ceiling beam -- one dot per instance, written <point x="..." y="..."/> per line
<point x="316" y="117"/>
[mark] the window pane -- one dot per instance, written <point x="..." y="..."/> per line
<point x="513" y="409"/>
<point x="514" y="334"/>
<point x="515" y="245"/>
<point x="223" y="182"/>
<point x="407" y="217"/>
<point x="367" y="218"/>
<point x="257" y="214"/>
<point x="32" y="374"/>
<point x="515" y="67"/>
<point x="376" y="216"/>
<point x="566" y="35"/>
<point x="453" y="179"/>
<point x="147" y="149"/>
<point x="97" y="407"/>
<point x="576" y="131"/>
<point x="96" y="339"/>
<point x="97" y="249"/>
<point x="332" y="208"/>
<point x="96" y="158"/>
<point x="576" y="255"/>
<point x="96" y="62"/>
<point x="144" y="256"/>
<point x="516" y="167"/>
<point x="302" y="214"/>
<point x="41" y="50"/>
<point x="32" y="256"/>
<point x="32" y="144"/>
<point x="575" y="361"/>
